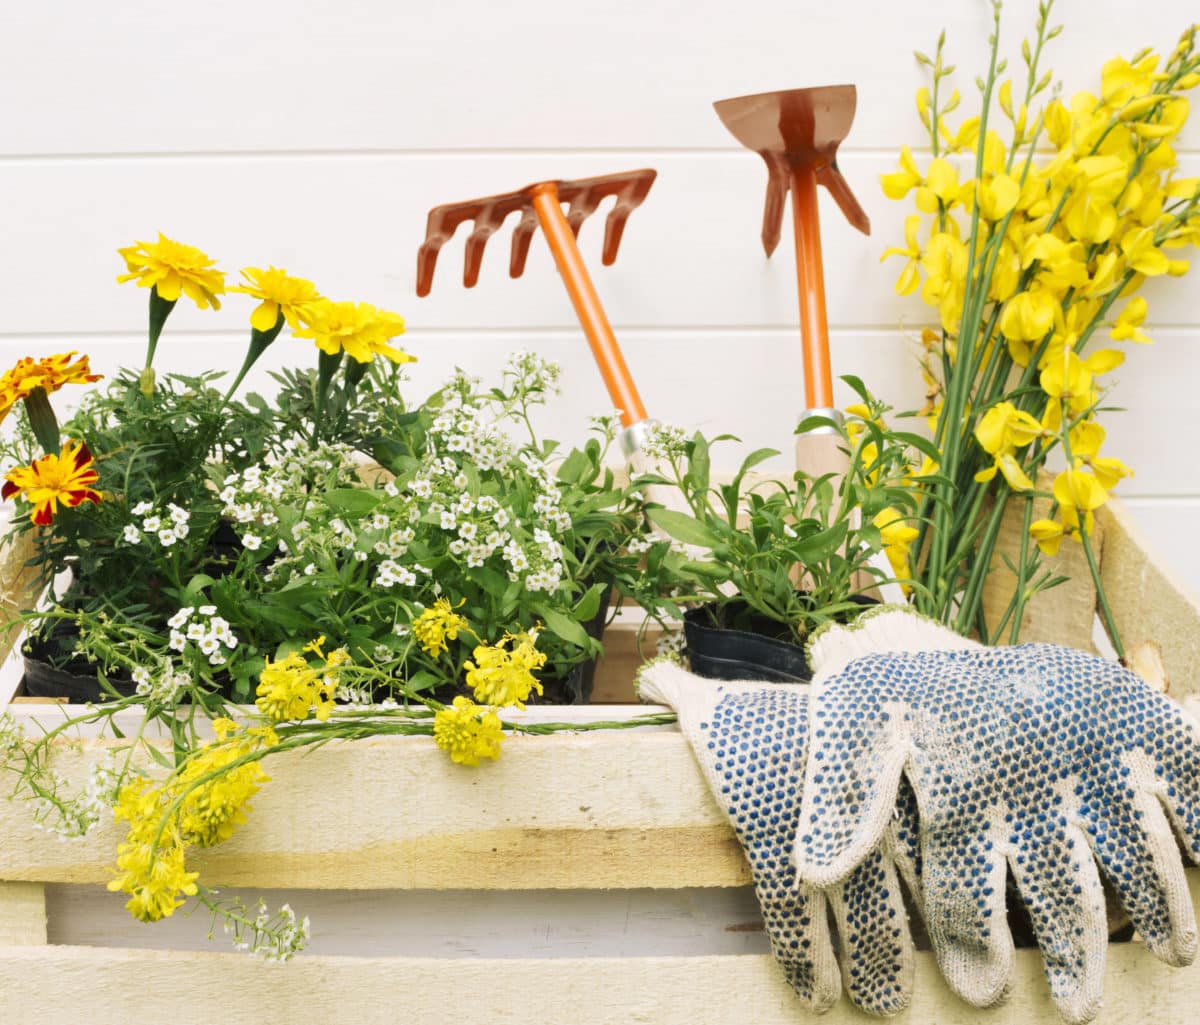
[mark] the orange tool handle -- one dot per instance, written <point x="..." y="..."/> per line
<point x="583" y="295"/>
<point x="810" y="282"/>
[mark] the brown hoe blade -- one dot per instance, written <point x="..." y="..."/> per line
<point x="797" y="133"/>
<point x="541" y="203"/>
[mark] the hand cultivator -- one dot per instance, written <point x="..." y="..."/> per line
<point x="797" y="133"/>
<point x="541" y="204"/>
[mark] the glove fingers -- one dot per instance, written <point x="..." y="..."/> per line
<point x="797" y="925"/>
<point x="1178" y="770"/>
<point x="963" y="890"/>
<point x="877" y="954"/>
<point x="749" y="741"/>
<point x="1136" y="849"/>
<point x="857" y="751"/>
<point x="1058" y="881"/>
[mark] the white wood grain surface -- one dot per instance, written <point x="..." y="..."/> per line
<point x="317" y="139"/>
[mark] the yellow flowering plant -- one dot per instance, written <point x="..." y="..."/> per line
<point x="1038" y="220"/>
<point x="457" y="570"/>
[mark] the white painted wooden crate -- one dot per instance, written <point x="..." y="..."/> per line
<point x="583" y="879"/>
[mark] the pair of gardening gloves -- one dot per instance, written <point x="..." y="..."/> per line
<point x="917" y="754"/>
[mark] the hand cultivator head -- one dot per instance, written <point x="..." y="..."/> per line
<point x="797" y="133"/>
<point x="583" y="196"/>
<point x="796" y="128"/>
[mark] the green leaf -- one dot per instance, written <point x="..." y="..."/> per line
<point x="587" y="606"/>
<point x="423" y="679"/>
<point x="494" y="583"/>
<point x="682" y="527"/>
<point x="820" y="546"/>
<point x="706" y="570"/>
<point x="922" y="445"/>
<point x="574" y="467"/>
<point x="698" y="464"/>
<point x="159" y="757"/>
<point x="562" y="626"/>
<point x="856" y="383"/>
<point x="353" y="501"/>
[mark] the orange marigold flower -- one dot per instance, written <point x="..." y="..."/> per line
<point x="65" y="478"/>
<point x="49" y="374"/>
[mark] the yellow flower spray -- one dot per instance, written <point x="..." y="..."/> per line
<point x="1024" y="262"/>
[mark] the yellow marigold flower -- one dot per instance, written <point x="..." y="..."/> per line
<point x="291" y="689"/>
<point x="66" y="478"/>
<point x="49" y="374"/>
<point x="174" y="269"/>
<point x="1048" y="534"/>
<point x="281" y="295"/>
<point x="436" y="623"/>
<point x="358" y="329"/>
<point x="467" y="732"/>
<point x="501" y="677"/>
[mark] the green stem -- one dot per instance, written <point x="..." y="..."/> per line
<point x="42" y="421"/>
<point x="1019" y="594"/>
<point x="160" y="309"/>
<point x="259" y="342"/>
<point x="326" y="367"/>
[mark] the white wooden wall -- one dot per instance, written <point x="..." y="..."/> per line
<point x="316" y="136"/>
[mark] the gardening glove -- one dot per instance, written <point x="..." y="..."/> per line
<point x="1037" y="760"/>
<point x="749" y="738"/>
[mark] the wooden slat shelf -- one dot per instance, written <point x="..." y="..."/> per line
<point x="571" y="812"/>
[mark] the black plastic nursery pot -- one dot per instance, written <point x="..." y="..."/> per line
<point x="576" y="687"/>
<point x="721" y="653"/>
<point x="52" y="670"/>
<point x="724" y="653"/>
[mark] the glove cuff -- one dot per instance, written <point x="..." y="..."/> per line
<point x="888" y="628"/>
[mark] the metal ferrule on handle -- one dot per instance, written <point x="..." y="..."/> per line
<point x="828" y="413"/>
<point x="587" y="305"/>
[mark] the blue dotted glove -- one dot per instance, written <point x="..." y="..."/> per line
<point x="1036" y="760"/>
<point x="749" y="739"/>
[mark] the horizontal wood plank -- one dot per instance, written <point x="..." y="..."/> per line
<point x="740" y="381"/>
<point x="22" y="914"/>
<point x="229" y="76"/>
<point x="601" y="810"/>
<point x="691" y="255"/>
<point x="462" y="924"/>
<point x="49" y="984"/>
